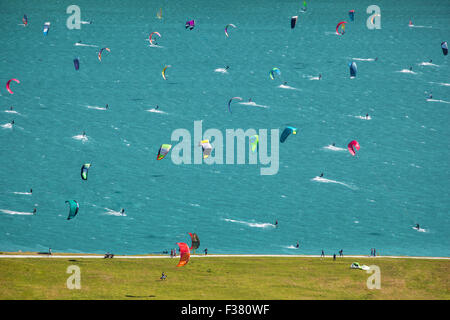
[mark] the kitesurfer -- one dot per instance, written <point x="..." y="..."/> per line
<point x="10" y="108"/>
<point x="367" y="116"/>
<point x="320" y="76"/>
<point x="106" y="107"/>
<point x="376" y="58"/>
<point x="285" y="83"/>
<point x="276" y="223"/>
<point x="31" y="190"/>
<point x="410" y="68"/>
<point x="227" y="67"/>
<point x="156" y="107"/>
<point x="122" y="212"/>
<point x="333" y="144"/>
<point x="431" y="60"/>
<point x="84" y="134"/>
<point x="34" y="211"/>
<point x="250" y="100"/>
<point x="298" y="245"/>
<point x="417" y="226"/>
<point x="321" y="175"/>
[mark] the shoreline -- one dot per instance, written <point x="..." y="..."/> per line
<point x="62" y="255"/>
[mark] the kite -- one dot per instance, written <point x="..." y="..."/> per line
<point x="8" y="84"/>
<point x="287" y="132"/>
<point x="74" y="206"/>
<point x="163" y="151"/>
<point x="352" y="146"/>
<point x="184" y="254"/>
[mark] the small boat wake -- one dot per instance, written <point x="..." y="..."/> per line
<point x="156" y="111"/>
<point x="81" y="137"/>
<point x="221" y="70"/>
<point x="435" y="100"/>
<point x="252" y="224"/>
<point x="428" y="64"/>
<point x="282" y="86"/>
<point x="253" y="104"/>
<point x="442" y="83"/>
<point x="114" y="213"/>
<point x="17" y="212"/>
<point x="320" y="179"/>
<point x="363" y="59"/>
<point x="333" y="148"/>
<point x="363" y="117"/>
<point x="97" y="108"/>
<point x="414" y="26"/>
<point x="12" y="111"/>
<point x="406" y="71"/>
<point x="23" y="193"/>
<point x="85" y="45"/>
<point x="7" y="126"/>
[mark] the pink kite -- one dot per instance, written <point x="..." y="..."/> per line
<point x="7" y="85"/>
<point x="351" y="147"/>
<point x="190" y="24"/>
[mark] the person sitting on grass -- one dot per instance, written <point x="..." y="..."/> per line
<point x="163" y="276"/>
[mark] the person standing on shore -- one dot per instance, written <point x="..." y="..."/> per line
<point x="206" y="251"/>
<point x="50" y="251"/>
<point x="334" y="256"/>
<point x="371" y="252"/>
<point x="341" y="253"/>
<point x="323" y="254"/>
<point x="374" y="252"/>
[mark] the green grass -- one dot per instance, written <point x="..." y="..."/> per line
<point x="224" y="278"/>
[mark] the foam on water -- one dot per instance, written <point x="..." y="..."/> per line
<point x="16" y="212"/>
<point x="253" y="104"/>
<point x="436" y="100"/>
<point x="252" y="224"/>
<point x="221" y="70"/>
<point x="324" y="180"/>
<point x="333" y="148"/>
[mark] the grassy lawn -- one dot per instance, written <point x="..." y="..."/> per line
<point x="224" y="278"/>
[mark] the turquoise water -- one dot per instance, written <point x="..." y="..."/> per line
<point x="399" y="177"/>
